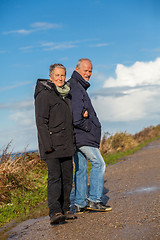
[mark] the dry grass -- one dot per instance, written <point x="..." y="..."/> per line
<point x="147" y="133"/>
<point x="120" y="142"/>
<point x="15" y="173"/>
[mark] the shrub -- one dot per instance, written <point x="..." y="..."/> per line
<point x="147" y="133"/>
<point x="119" y="142"/>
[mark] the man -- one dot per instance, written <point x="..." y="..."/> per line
<point x="87" y="129"/>
<point x="56" y="140"/>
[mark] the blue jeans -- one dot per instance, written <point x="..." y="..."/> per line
<point x="96" y="176"/>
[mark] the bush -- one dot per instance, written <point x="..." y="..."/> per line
<point x="147" y="133"/>
<point x="121" y="142"/>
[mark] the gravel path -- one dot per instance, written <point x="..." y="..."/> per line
<point x="132" y="188"/>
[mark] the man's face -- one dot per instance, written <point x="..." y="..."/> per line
<point x="85" y="69"/>
<point x="58" y="76"/>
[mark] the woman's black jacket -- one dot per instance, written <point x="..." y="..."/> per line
<point x="54" y="121"/>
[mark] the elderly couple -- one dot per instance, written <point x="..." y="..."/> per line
<point x="68" y="127"/>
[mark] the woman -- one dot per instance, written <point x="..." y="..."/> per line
<point x="56" y="140"/>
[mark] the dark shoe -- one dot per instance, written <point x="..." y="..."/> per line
<point x="69" y="215"/>
<point x="93" y="206"/>
<point x="57" y="218"/>
<point x="79" y="210"/>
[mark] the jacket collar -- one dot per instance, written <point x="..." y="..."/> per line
<point x="81" y="80"/>
<point x="45" y="84"/>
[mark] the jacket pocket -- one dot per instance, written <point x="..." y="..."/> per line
<point x="56" y="129"/>
<point x="57" y="136"/>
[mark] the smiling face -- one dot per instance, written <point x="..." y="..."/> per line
<point x="58" y="76"/>
<point x="85" y="69"/>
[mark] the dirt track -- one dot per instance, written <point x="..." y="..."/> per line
<point x="132" y="188"/>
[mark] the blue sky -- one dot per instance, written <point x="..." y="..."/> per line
<point x="122" y="38"/>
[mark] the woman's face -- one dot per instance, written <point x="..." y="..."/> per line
<point x="58" y="76"/>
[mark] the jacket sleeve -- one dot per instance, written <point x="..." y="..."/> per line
<point x="78" y="106"/>
<point x="42" y="109"/>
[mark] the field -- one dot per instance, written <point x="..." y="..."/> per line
<point x="23" y="178"/>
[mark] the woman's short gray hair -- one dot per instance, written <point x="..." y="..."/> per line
<point x="56" y="65"/>
<point x="81" y="60"/>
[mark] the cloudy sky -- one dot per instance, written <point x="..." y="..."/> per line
<point x="122" y="38"/>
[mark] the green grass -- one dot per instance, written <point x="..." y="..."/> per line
<point x="23" y="201"/>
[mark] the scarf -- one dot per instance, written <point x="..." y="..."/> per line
<point x="64" y="90"/>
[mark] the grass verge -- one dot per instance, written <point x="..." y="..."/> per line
<point x="23" y="180"/>
<point x="23" y="189"/>
<point x="22" y="203"/>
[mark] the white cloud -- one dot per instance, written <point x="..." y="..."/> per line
<point x="23" y="129"/>
<point x="17" y="105"/>
<point x="34" y="27"/>
<point x="19" y="31"/>
<point x="3" y="51"/>
<point x="38" y="26"/>
<point x="23" y="117"/>
<point x="140" y="73"/>
<point x="135" y="93"/>
<point x="21" y="137"/>
<point x="49" y="46"/>
<point x="100" y="45"/>
<point x="15" y="86"/>
<point x="26" y="48"/>
<point x="133" y="106"/>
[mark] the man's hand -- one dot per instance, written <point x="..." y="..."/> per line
<point x="85" y="114"/>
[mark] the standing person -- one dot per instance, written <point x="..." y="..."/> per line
<point x="56" y="140"/>
<point x="87" y="129"/>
